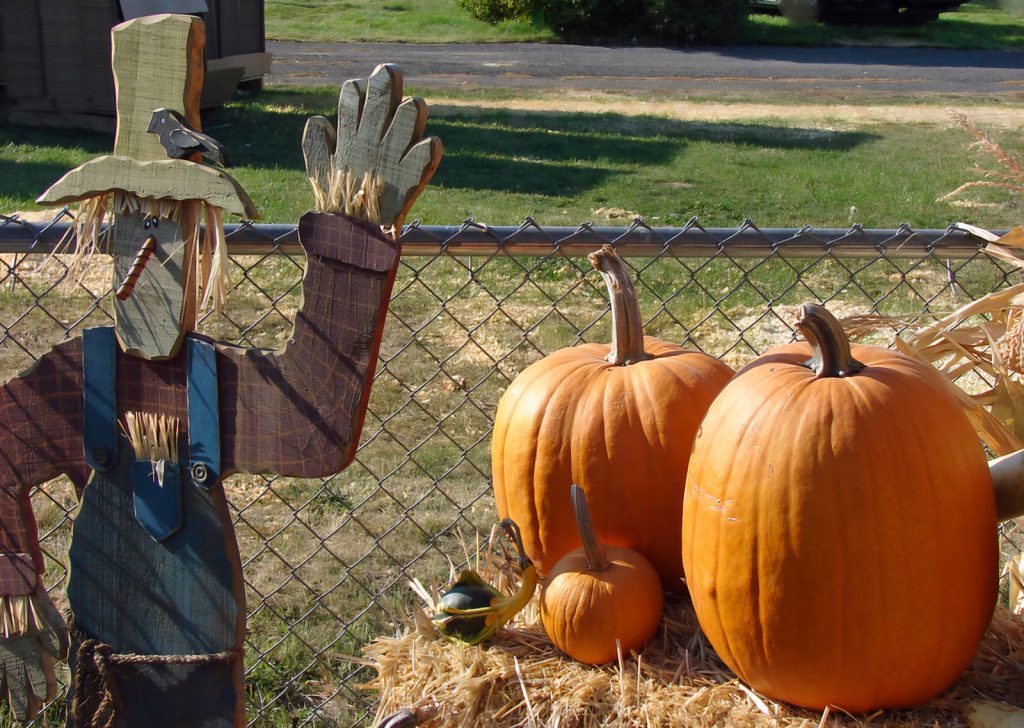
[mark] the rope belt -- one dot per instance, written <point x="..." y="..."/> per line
<point x="95" y="702"/>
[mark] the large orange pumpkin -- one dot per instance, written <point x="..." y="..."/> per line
<point x="618" y="420"/>
<point x="839" y="531"/>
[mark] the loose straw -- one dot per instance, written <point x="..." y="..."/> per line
<point x="154" y="437"/>
<point x="346" y="194"/>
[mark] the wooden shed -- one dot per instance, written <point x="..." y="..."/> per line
<point x="55" y="54"/>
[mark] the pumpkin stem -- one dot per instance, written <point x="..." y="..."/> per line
<point x="627" y="329"/>
<point x="830" y="346"/>
<point x="512" y="530"/>
<point x="596" y="559"/>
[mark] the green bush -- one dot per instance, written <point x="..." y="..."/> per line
<point x="494" y="11"/>
<point x="599" y="19"/>
<point x="696" y="21"/>
<point x="680" y="22"/>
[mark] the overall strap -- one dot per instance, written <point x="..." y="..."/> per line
<point x="99" y="355"/>
<point x="203" y="417"/>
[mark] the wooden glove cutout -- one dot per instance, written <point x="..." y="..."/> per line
<point x="27" y="660"/>
<point x="375" y="164"/>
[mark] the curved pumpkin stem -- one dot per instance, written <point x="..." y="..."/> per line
<point x="830" y="346"/>
<point x="627" y="329"/>
<point x="512" y="530"/>
<point x="596" y="558"/>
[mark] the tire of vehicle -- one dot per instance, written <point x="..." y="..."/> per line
<point x="886" y="12"/>
<point x="846" y="12"/>
<point x="918" y="17"/>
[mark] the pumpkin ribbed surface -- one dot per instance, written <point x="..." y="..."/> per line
<point x="623" y="433"/>
<point x="585" y="612"/>
<point x="839" y="533"/>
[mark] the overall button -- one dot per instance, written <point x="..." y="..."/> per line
<point x="200" y="473"/>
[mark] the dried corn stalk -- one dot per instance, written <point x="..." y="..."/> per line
<point x="1016" y="572"/>
<point x="987" y="335"/>
<point x="1012" y="179"/>
<point x="992" y="346"/>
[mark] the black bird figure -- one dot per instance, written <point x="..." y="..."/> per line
<point x="180" y="140"/>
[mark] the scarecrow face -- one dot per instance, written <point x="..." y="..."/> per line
<point x="155" y="305"/>
<point x="155" y="202"/>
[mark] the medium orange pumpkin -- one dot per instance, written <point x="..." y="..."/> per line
<point x="839" y="531"/>
<point x="597" y="600"/>
<point x="618" y="420"/>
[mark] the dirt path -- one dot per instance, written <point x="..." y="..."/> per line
<point x="832" y="115"/>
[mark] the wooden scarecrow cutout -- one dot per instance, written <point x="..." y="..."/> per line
<point x="148" y="418"/>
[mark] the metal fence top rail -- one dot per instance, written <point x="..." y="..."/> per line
<point x="531" y="239"/>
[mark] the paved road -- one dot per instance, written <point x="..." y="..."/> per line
<point x="811" y="74"/>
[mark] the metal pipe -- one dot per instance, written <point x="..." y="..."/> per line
<point x="530" y="239"/>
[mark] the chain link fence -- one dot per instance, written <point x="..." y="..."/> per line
<point x="326" y="562"/>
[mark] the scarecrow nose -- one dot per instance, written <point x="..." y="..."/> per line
<point x="124" y="290"/>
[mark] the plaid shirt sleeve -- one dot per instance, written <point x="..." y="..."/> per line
<point x="40" y="438"/>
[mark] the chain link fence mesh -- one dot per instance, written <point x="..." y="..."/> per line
<point x="327" y="561"/>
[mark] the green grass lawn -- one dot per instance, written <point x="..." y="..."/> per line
<point x="980" y="24"/>
<point x="973" y="25"/>
<point x="406" y="21"/>
<point x="321" y="557"/>
<point x="560" y="168"/>
<point x="416" y="481"/>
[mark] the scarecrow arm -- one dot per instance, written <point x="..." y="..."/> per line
<point x="40" y="438"/>
<point x="299" y="411"/>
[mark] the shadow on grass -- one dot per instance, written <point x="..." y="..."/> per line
<point x="27" y="180"/>
<point x="542" y="153"/>
<point x="39" y="136"/>
<point x="565" y="154"/>
<point x="25" y="174"/>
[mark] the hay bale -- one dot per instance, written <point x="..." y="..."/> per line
<point x="520" y="679"/>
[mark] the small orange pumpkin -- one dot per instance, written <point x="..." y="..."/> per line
<point x="618" y="420"/>
<point x="839" y="530"/>
<point x="595" y="596"/>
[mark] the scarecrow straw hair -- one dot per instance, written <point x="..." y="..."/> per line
<point x="344" y="194"/>
<point x="18" y="616"/>
<point x="212" y="261"/>
<point x="209" y="250"/>
<point x="153" y="436"/>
